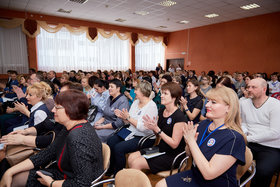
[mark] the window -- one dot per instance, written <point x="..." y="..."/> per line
<point x="13" y="50"/>
<point x="65" y="51"/>
<point x="148" y="55"/>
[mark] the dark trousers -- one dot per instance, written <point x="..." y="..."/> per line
<point x="267" y="162"/>
<point x="119" y="148"/>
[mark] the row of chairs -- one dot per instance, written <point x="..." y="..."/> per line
<point x="132" y="177"/>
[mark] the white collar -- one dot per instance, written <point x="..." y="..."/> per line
<point x="36" y="106"/>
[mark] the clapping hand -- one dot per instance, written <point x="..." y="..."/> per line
<point x="183" y="101"/>
<point x="150" y="123"/>
<point x="190" y="132"/>
<point x="21" y="107"/>
<point x="123" y="114"/>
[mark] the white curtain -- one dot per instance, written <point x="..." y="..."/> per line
<point x="65" y="51"/>
<point x="13" y="50"/>
<point x="148" y="55"/>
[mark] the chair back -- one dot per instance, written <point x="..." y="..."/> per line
<point x="249" y="166"/>
<point x="106" y="152"/>
<point x="241" y="170"/>
<point x="131" y="178"/>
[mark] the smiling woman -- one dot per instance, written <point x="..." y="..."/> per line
<point x="106" y="125"/>
<point x="217" y="145"/>
<point x="36" y="95"/>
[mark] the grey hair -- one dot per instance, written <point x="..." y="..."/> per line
<point x="145" y="88"/>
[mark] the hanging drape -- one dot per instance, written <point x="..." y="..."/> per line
<point x="149" y="49"/>
<point x="64" y="51"/>
<point x="148" y="54"/>
<point x="13" y="50"/>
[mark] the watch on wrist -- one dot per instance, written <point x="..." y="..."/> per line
<point x="159" y="132"/>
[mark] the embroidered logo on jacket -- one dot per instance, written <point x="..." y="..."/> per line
<point x="211" y="142"/>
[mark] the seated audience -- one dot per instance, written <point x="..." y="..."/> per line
<point x="131" y="94"/>
<point x="205" y="84"/>
<point x="225" y="81"/>
<point x="193" y="103"/>
<point x="11" y="111"/>
<point x="274" y="84"/>
<point x="8" y="90"/>
<point x="64" y="78"/>
<point x="100" y="98"/>
<point x="77" y="149"/>
<point x="36" y="95"/>
<point x="260" y="122"/>
<point x="72" y="76"/>
<point x="213" y="78"/>
<point x="157" y="99"/>
<point x="53" y="79"/>
<point x="247" y="79"/>
<point x="216" y="145"/>
<point x="106" y="125"/>
<point x="23" y="83"/>
<point x="239" y="84"/>
<point x="86" y="86"/>
<point x="169" y="127"/>
<point x="91" y="81"/>
<point x="120" y="145"/>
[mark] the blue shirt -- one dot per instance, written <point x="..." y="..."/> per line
<point x="100" y="101"/>
<point x="223" y="142"/>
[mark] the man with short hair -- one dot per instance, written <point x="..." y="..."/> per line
<point x="9" y="92"/>
<point x="72" y="77"/>
<point x="260" y="122"/>
<point x="274" y="84"/>
<point x="53" y="79"/>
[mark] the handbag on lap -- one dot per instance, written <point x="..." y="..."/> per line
<point x="18" y="153"/>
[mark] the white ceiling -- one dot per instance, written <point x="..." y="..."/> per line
<point x="107" y="11"/>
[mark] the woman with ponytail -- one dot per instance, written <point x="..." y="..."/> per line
<point x="193" y="103"/>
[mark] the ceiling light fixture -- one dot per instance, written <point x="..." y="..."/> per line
<point x="161" y="27"/>
<point x="120" y="20"/>
<point x="211" y="15"/>
<point x="250" y="6"/>
<point x="167" y="3"/>
<point x="141" y="13"/>
<point x="79" y="1"/>
<point x="61" y="10"/>
<point x="182" y="22"/>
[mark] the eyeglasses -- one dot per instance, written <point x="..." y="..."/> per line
<point x="58" y="107"/>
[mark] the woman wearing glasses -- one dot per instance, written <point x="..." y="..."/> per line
<point x="77" y="149"/>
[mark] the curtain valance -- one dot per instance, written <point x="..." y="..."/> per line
<point x="32" y="29"/>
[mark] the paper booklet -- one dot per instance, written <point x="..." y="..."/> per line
<point x="152" y="155"/>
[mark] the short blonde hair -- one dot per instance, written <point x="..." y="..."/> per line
<point x="228" y="96"/>
<point x="41" y="89"/>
